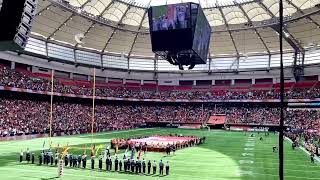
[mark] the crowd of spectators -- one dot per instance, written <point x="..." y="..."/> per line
<point x="27" y="116"/>
<point x="11" y="78"/>
<point x="305" y="128"/>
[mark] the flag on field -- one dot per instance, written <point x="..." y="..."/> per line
<point x="44" y="143"/>
<point x="58" y="147"/>
<point x="65" y="152"/>
<point x="93" y="149"/>
<point x="117" y="148"/>
<point x="85" y="149"/>
<point x="99" y="147"/>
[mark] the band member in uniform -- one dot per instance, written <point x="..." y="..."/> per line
<point x="132" y="163"/>
<point x="107" y="163"/>
<point x="120" y="165"/>
<point x="100" y="161"/>
<point x="32" y="158"/>
<point x="79" y="161"/>
<point x="56" y="157"/>
<point x="92" y="162"/>
<point x="116" y="164"/>
<point x="70" y="160"/>
<point x="48" y="158"/>
<point x="21" y="156"/>
<point x="137" y="166"/>
<point x="129" y="164"/>
<point x="28" y="155"/>
<point x="110" y="163"/>
<point x="161" y="167"/>
<point x="167" y="168"/>
<point x="149" y="167"/>
<point x="125" y="165"/>
<point x="75" y="161"/>
<point x="40" y="158"/>
<point x="84" y="161"/>
<point x="154" y="167"/>
<point x="51" y="157"/>
<point x="66" y="160"/>
<point x="143" y="166"/>
<point x="45" y="158"/>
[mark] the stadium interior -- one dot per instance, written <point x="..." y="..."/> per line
<point x="87" y="90"/>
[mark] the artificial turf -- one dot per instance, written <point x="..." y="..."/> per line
<point x="225" y="155"/>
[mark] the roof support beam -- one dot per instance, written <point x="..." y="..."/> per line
<point x="254" y="28"/>
<point x="94" y="23"/>
<point x="60" y="26"/>
<point x="264" y="7"/>
<point x="85" y="33"/>
<point x="115" y="29"/>
<point x="137" y="34"/>
<point x="227" y="25"/>
<point x="290" y="39"/>
<point x="85" y="3"/>
<point x="303" y="13"/>
<point x="69" y="18"/>
<point x="269" y="62"/>
<point x="42" y="10"/>
<point x="106" y="8"/>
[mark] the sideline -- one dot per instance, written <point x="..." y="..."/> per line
<point x="303" y="149"/>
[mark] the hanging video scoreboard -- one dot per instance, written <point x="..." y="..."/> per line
<point x="180" y="27"/>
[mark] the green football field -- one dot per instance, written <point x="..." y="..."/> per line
<point x="225" y="155"/>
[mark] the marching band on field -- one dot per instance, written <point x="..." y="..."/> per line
<point x="126" y="164"/>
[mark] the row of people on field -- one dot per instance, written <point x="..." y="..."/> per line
<point x="137" y="165"/>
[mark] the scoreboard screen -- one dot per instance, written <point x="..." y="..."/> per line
<point x="180" y="29"/>
<point x="170" y="17"/>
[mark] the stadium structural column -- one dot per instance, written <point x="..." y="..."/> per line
<point x="281" y="166"/>
<point x="101" y="61"/>
<point x="128" y="63"/>
<point x="156" y="60"/>
<point x="51" y="107"/>
<point x="238" y="62"/>
<point x="93" y="104"/>
<point x="269" y="62"/>
<point x="213" y="82"/>
<point x="210" y="61"/>
<point x="13" y="65"/>
<point x="47" y="50"/>
<point x="75" y="56"/>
